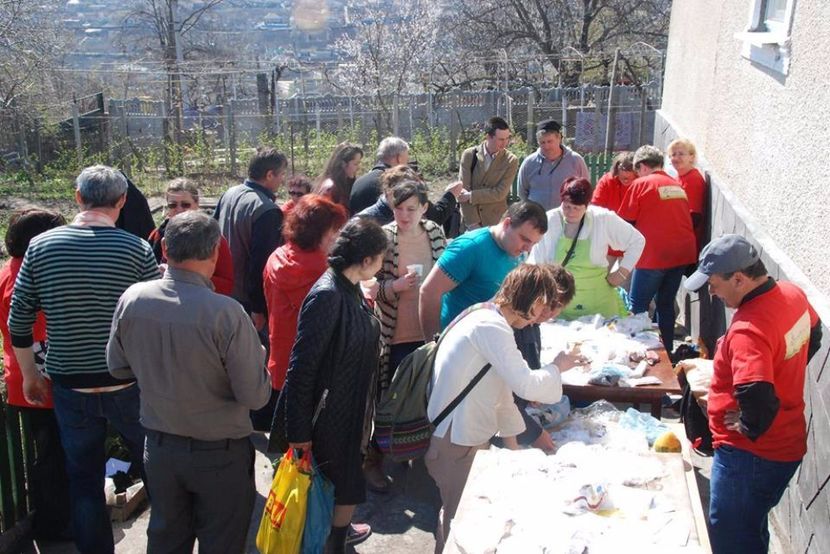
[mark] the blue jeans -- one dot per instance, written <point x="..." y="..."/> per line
<point x="662" y="283"/>
<point x="82" y="419"/>
<point x="744" y="488"/>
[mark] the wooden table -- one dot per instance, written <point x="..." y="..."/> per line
<point x="650" y="394"/>
<point x="680" y="485"/>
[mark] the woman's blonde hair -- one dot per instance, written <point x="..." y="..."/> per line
<point x="526" y="285"/>
<point x="683" y="143"/>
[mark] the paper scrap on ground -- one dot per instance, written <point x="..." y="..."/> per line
<point x="115" y="465"/>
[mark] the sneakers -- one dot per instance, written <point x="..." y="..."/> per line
<point x="357" y="533"/>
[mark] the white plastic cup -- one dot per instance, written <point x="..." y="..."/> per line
<point x="417" y="269"/>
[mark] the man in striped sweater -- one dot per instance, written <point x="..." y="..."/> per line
<point x="76" y="274"/>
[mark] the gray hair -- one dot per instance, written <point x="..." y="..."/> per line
<point x="391" y="147"/>
<point x="100" y="186"/>
<point x="191" y="235"/>
<point x="649" y="155"/>
<point x="183" y="184"/>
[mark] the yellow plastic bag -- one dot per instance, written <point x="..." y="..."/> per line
<point x="283" y="520"/>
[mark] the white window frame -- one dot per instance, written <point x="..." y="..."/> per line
<point x="767" y="43"/>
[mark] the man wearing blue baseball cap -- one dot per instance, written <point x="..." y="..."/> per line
<point x="756" y="399"/>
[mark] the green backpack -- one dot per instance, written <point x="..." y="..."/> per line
<point x="402" y="428"/>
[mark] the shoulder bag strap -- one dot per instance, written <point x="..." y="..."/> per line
<point x="570" y="253"/>
<point x="457" y="400"/>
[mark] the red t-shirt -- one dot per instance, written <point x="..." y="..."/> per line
<point x="658" y="206"/>
<point x="695" y="186"/>
<point x="767" y="341"/>
<point x="608" y="194"/>
<point x="11" y="371"/>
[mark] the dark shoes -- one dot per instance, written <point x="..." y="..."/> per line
<point x="376" y="479"/>
<point x="341" y="537"/>
<point x="357" y="533"/>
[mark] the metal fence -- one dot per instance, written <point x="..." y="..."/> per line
<point x="216" y="138"/>
<point x="16" y="458"/>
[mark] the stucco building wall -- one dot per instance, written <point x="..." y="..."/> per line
<point x="766" y="135"/>
<point x="763" y="140"/>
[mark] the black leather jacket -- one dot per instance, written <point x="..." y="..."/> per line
<point x="336" y="350"/>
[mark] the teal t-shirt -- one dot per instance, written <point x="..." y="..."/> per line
<point x="478" y="265"/>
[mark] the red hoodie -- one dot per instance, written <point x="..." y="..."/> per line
<point x="286" y="280"/>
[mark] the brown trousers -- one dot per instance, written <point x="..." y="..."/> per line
<point x="449" y="465"/>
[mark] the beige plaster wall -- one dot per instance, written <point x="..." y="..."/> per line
<point x="765" y="136"/>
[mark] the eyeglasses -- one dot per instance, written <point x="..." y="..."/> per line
<point x="295" y="193"/>
<point x="184" y="205"/>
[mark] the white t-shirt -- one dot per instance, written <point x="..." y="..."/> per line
<point x="480" y="337"/>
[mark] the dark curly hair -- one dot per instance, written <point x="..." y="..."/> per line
<point x="26" y="224"/>
<point x="361" y="238"/>
<point x="311" y="218"/>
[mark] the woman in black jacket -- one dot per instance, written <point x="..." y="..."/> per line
<point x="332" y="373"/>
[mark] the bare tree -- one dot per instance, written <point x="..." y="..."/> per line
<point x="391" y="52"/>
<point x="30" y="40"/>
<point x="546" y="31"/>
<point x="171" y="30"/>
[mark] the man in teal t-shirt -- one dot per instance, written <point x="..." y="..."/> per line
<point x="473" y="266"/>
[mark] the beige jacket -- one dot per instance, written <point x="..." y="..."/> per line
<point x="489" y="188"/>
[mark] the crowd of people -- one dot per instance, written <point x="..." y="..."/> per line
<point x="291" y="319"/>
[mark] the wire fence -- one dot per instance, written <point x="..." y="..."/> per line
<point x="217" y="139"/>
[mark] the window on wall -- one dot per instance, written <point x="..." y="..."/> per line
<point x="766" y="41"/>
<point x="774" y="15"/>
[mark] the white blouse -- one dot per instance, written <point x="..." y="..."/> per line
<point x="480" y="337"/>
<point x="603" y="228"/>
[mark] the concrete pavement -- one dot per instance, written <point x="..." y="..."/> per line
<point x="402" y="520"/>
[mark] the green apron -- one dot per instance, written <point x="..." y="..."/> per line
<point x="593" y="293"/>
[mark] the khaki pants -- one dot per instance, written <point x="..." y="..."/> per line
<point x="449" y="464"/>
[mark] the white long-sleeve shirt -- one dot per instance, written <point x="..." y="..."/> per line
<point x="603" y="228"/>
<point x="480" y="337"/>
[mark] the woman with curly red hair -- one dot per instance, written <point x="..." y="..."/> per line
<point x="309" y="230"/>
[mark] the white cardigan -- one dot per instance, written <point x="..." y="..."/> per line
<point x="480" y="337"/>
<point x="603" y="227"/>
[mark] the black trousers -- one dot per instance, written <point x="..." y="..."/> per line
<point x="198" y="489"/>
<point x="48" y="484"/>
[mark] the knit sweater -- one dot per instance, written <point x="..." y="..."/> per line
<point x="386" y="302"/>
<point x="75" y="275"/>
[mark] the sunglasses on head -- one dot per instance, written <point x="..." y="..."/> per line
<point x="174" y="205"/>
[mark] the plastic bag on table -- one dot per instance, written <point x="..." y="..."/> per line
<point x="650" y="426"/>
<point x="283" y="519"/>
<point x="601" y="409"/>
<point x="319" y="513"/>
<point x="550" y="415"/>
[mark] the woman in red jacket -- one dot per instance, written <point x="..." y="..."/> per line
<point x="183" y="195"/>
<point x="309" y="230"/>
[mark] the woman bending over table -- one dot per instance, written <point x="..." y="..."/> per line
<point x="482" y="336"/>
